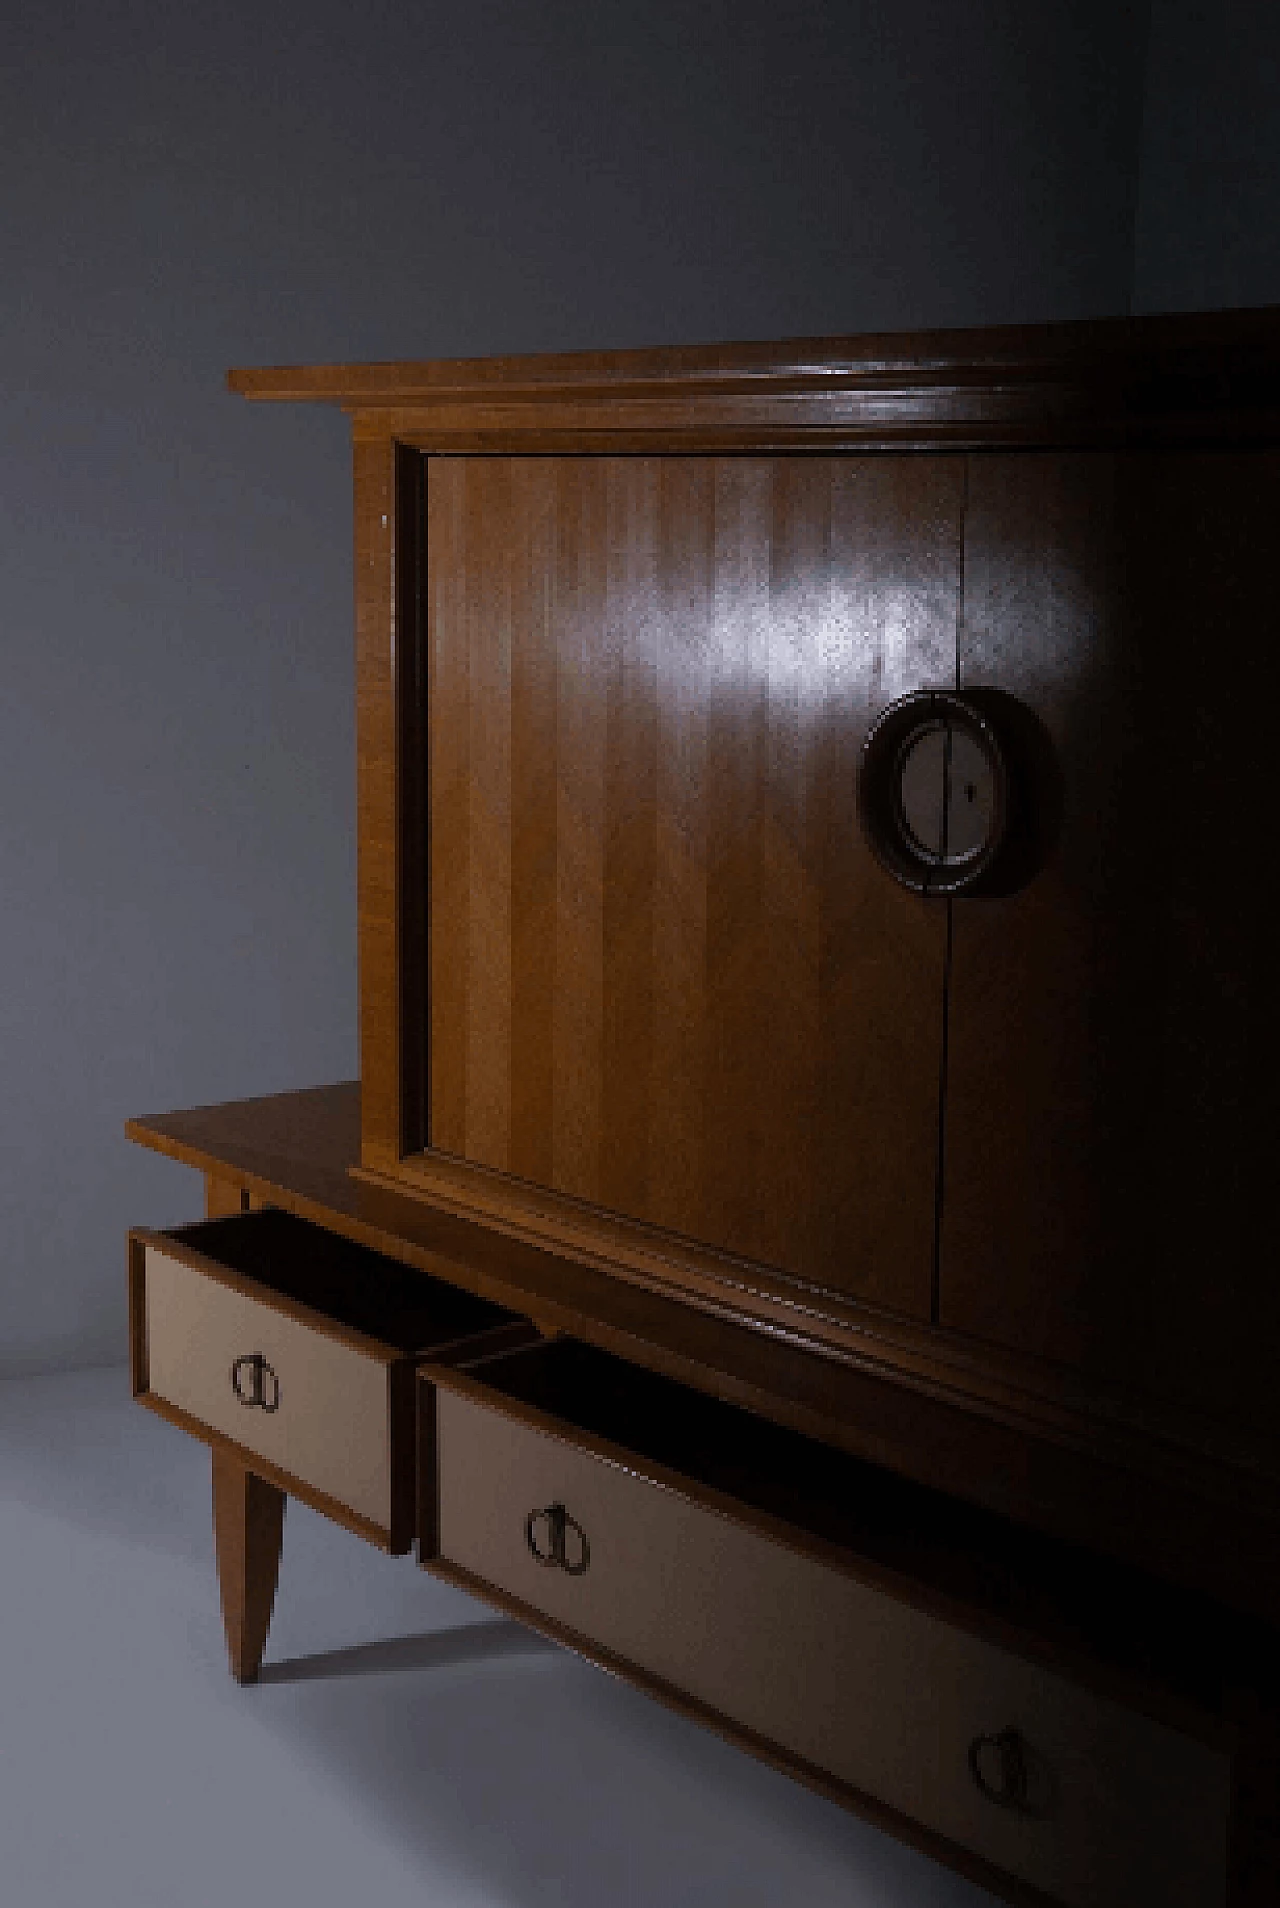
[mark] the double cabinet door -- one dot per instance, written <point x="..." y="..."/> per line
<point x="668" y="977"/>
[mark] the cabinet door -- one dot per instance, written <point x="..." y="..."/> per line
<point x="665" y="977"/>
<point x="1112" y="1034"/>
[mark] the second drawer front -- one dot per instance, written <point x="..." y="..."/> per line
<point x="331" y="1424"/>
<point x="882" y="1695"/>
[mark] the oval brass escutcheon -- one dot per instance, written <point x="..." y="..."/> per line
<point x="933" y="792"/>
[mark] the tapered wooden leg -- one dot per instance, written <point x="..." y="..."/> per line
<point x="248" y="1529"/>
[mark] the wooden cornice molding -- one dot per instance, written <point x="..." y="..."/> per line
<point x="1194" y="377"/>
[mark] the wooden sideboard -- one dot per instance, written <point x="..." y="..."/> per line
<point x="817" y="1044"/>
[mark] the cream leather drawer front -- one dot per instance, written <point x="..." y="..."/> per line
<point x="331" y="1423"/>
<point x="875" y="1691"/>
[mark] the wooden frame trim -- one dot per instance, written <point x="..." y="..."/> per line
<point x="1129" y="1689"/>
<point x="942" y="1364"/>
<point x="412" y="772"/>
<point x="393" y="835"/>
<point x="1048" y="425"/>
<point x="377" y="522"/>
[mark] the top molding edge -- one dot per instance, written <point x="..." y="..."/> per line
<point x="1200" y="377"/>
<point x="1065" y="351"/>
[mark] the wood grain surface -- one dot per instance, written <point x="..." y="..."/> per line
<point x="666" y="976"/>
<point x="1113" y="1028"/>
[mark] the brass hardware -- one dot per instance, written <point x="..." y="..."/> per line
<point x="558" y="1523"/>
<point x="1009" y="1772"/>
<point x="934" y="793"/>
<point x="263" y="1385"/>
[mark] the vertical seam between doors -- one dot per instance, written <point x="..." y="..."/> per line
<point x="935" y="1286"/>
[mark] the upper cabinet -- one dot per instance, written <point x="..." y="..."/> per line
<point x="682" y="950"/>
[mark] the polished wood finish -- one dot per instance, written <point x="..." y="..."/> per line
<point x="1196" y="376"/>
<point x="248" y="1529"/>
<point x="1137" y="1488"/>
<point x="572" y="806"/>
<point x="656" y="981"/>
<point x="609" y="703"/>
<point x="1114" y="1030"/>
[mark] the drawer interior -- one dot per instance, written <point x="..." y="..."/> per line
<point x="350" y="1284"/>
<point x="979" y="1564"/>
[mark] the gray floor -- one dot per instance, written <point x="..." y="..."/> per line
<point x="403" y="1747"/>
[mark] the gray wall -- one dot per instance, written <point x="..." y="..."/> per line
<point x="183" y="190"/>
<point x="1208" y="226"/>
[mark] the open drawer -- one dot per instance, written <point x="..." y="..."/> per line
<point x="832" y="1619"/>
<point x="296" y="1349"/>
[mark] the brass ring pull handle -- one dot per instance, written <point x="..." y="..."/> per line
<point x="255" y="1383"/>
<point x="563" y="1540"/>
<point x="1008" y="1771"/>
<point x="934" y="792"/>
